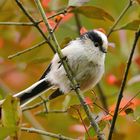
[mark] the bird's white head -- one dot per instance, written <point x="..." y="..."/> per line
<point x="98" y="38"/>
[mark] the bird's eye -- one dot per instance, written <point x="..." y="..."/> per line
<point x="96" y="44"/>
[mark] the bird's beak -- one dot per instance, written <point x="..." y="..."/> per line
<point x="103" y="49"/>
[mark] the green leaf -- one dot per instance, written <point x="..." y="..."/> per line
<point x="77" y="2"/>
<point x="5" y="131"/>
<point x="102" y="124"/>
<point x="10" y="115"/>
<point x="133" y="25"/>
<point x="91" y="133"/>
<point x="93" y="12"/>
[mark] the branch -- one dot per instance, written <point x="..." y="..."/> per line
<point x="120" y="17"/>
<point x="51" y="111"/>
<point x="27" y="50"/>
<point x="34" y="130"/>
<point x="35" y="23"/>
<point x="69" y="74"/>
<point x="78" y="23"/>
<point x="35" y="46"/>
<point x="137" y="35"/>
<point x="17" y="23"/>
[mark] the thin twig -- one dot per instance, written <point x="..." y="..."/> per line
<point x="41" y="132"/>
<point x="56" y="14"/>
<point x="27" y="50"/>
<point x="102" y="97"/>
<point x="17" y="23"/>
<point x="34" y="106"/>
<point x="137" y="34"/>
<point x="69" y="74"/>
<point x="120" y="17"/>
<point x="123" y="108"/>
<point x="51" y="111"/>
<point x="35" y="23"/>
<point x="31" y="23"/>
<point x="37" y="45"/>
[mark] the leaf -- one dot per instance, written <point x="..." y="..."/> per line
<point x="88" y="101"/>
<point x="45" y="3"/>
<point x="83" y="30"/>
<point x="77" y="2"/>
<point x="93" y="12"/>
<point x="137" y="60"/>
<point x="133" y="25"/>
<point x="111" y="79"/>
<point x="74" y="111"/>
<point x="91" y="133"/>
<point x="10" y="114"/>
<point x="126" y="107"/>
<point x="5" y="131"/>
<point x="77" y="128"/>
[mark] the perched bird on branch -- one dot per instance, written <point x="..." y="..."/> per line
<point x="85" y="55"/>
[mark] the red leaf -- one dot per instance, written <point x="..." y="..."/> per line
<point x="111" y="79"/>
<point x="125" y="104"/>
<point x="1" y="42"/>
<point x="67" y="17"/>
<point x="16" y="79"/>
<point x="83" y="30"/>
<point x="137" y="60"/>
<point x="77" y="128"/>
<point x="45" y="3"/>
<point x="88" y="101"/>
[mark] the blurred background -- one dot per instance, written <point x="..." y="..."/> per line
<point x="21" y="71"/>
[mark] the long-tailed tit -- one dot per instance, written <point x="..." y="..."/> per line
<point x="85" y="55"/>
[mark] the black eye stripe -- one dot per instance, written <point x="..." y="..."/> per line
<point x="97" y="40"/>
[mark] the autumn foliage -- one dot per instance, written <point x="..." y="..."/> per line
<point x="65" y="115"/>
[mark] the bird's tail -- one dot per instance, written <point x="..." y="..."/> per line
<point x="33" y="91"/>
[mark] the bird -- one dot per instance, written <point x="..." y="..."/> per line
<point x="86" y="58"/>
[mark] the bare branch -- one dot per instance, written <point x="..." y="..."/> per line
<point x="17" y="23"/>
<point x="27" y="50"/>
<point x="137" y="35"/>
<point x="41" y="132"/>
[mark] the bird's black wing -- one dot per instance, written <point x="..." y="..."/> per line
<point x="56" y="93"/>
<point x="46" y="71"/>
